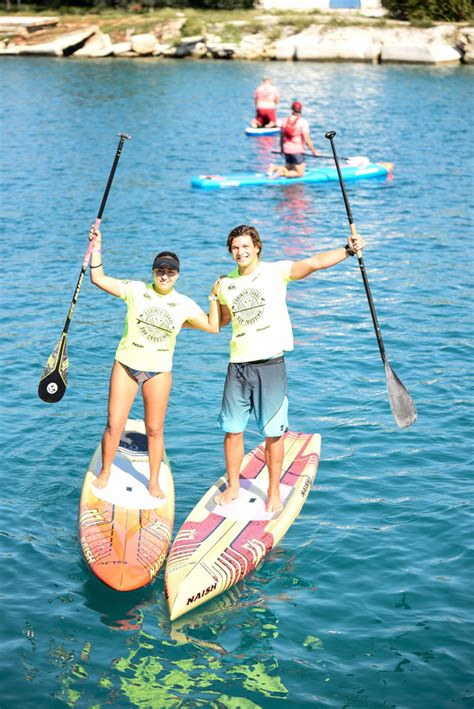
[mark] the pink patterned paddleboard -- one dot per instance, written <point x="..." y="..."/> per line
<point x="218" y="545"/>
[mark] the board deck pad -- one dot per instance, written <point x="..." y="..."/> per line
<point x="125" y="532"/>
<point x="218" y="545"/>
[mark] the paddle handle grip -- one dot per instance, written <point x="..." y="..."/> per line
<point x="123" y="137"/>
<point x="87" y="255"/>
<point x="354" y="234"/>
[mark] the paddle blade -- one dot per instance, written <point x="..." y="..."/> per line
<point x="402" y="405"/>
<point x="53" y="381"/>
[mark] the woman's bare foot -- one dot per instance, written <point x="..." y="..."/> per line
<point x="277" y="171"/>
<point x="101" y="481"/>
<point x="156" y="491"/>
<point x="229" y="494"/>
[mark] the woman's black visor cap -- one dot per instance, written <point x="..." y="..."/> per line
<point x="165" y="262"/>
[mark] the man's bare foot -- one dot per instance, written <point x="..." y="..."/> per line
<point x="102" y="480"/>
<point x="231" y="493"/>
<point x="274" y="503"/>
<point x="156" y="491"/>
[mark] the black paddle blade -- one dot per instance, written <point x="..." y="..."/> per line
<point x="402" y="405"/>
<point x="53" y="381"/>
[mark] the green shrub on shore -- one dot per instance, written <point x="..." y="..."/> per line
<point x="420" y="12"/>
<point x="130" y="5"/>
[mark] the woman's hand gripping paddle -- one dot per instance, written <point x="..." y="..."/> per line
<point x="53" y="381"/>
<point x="403" y="407"/>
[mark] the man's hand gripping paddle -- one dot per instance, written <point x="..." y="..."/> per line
<point x="403" y="407"/>
<point x="53" y="381"/>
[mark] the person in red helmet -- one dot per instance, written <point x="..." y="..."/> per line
<point x="294" y="137"/>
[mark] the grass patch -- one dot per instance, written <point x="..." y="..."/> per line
<point x="193" y="26"/>
<point x="422" y="22"/>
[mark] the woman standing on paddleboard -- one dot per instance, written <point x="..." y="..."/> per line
<point x="294" y="136"/>
<point x="156" y="312"/>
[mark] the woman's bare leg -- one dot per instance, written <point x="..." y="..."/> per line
<point x="155" y="393"/>
<point x="295" y="170"/>
<point x="122" y="391"/>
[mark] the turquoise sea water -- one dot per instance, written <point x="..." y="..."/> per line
<point x="367" y="602"/>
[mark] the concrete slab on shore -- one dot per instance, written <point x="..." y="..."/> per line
<point x="12" y="23"/>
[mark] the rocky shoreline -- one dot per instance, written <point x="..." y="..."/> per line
<point x="390" y="41"/>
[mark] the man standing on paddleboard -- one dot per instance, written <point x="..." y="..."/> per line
<point x="156" y="312"/>
<point x="266" y="100"/>
<point x="253" y="298"/>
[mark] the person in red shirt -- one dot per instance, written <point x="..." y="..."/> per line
<point x="266" y="100"/>
<point x="294" y="136"/>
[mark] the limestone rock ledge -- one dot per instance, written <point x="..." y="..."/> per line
<point x="444" y="43"/>
<point x="440" y="44"/>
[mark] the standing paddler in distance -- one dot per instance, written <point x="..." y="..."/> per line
<point x="294" y="136"/>
<point x="156" y="312"/>
<point x="253" y="298"/>
<point x="266" y="99"/>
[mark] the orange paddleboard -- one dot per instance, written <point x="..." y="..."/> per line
<point x="124" y="531"/>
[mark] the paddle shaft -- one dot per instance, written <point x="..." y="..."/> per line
<point x="87" y="255"/>
<point x="53" y="382"/>
<point x="330" y="136"/>
<point x="310" y="155"/>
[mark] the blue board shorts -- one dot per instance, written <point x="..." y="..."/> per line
<point x="260" y="388"/>
<point x="295" y="158"/>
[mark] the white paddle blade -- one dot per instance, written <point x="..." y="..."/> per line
<point x="358" y="161"/>
<point x="401" y="403"/>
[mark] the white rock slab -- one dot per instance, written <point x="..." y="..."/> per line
<point x="120" y="48"/>
<point x="143" y="44"/>
<point x="432" y="53"/>
<point x="10" y="23"/>
<point x="316" y="44"/>
<point x="61" y="45"/>
<point x="358" y="45"/>
<point x="10" y="48"/>
<point x="99" y="45"/>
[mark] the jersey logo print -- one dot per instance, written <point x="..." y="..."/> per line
<point x="248" y="307"/>
<point x="155" y="324"/>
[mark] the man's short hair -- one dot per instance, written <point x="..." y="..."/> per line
<point x="245" y="230"/>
